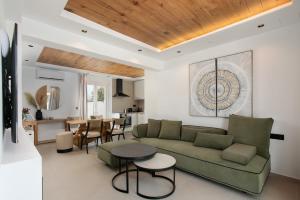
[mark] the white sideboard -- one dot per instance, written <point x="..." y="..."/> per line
<point x="20" y="169"/>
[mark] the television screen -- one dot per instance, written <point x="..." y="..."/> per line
<point x="6" y="95"/>
<point x="9" y="88"/>
<point x="14" y="85"/>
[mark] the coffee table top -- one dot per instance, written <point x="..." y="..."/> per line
<point x="134" y="151"/>
<point x="158" y="162"/>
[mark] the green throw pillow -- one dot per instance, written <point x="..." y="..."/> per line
<point x="170" y="130"/>
<point x="153" y="128"/>
<point x="189" y="132"/>
<point x="252" y="131"/>
<point x="239" y="153"/>
<point x="214" y="141"/>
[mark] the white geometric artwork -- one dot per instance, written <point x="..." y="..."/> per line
<point x="222" y="86"/>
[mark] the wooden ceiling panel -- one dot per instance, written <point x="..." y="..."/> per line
<point x="77" y="61"/>
<point x="164" y="23"/>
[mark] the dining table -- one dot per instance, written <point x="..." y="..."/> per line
<point x="82" y="126"/>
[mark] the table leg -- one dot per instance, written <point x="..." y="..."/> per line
<point x="137" y="180"/>
<point x="174" y="174"/>
<point x="127" y="177"/>
<point x="120" y="172"/>
<point x="120" y="165"/>
<point x="36" y="134"/>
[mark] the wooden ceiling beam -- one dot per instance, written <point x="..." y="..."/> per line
<point x="77" y="61"/>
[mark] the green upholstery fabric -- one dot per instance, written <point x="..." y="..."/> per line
<point x="214" y="141"/>
<point x="140" y="130"/>
<point x="153" y="128"/>
<point x="105" y="149"/>
<point x="209" y="164"/>
<point x="205" y="162"/>
<point x="170" y="130"/>
<point x="252" y="131"/>
<point x="239" y="153"/>
<point x="188" y="133"/>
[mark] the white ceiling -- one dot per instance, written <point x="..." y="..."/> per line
<point x="51" y="12"/>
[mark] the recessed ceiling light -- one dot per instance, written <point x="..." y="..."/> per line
<point x="84" y="30"/>
<point x="178" y="51"/>
<point x="140" y="50"/>
<point x="260" y="26"/>
<point x="30" y="45"/>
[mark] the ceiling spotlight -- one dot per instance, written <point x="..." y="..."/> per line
<point x="30" y="45"/>
<point x="84" y="30"/>
<point x="260" y="26"/>
<point x="140" y="50"/>
<point x="178" y="51"/>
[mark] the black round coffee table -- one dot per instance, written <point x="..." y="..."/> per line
<point x="130" y="152"/>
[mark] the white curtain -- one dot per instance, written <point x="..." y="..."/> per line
<point x="83" y="96"/>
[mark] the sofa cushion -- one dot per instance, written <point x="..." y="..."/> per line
<point x="187" y="149"/>
<point x="239" y="153"/>
<point x="214" y="141"/>
<point x="170" y="130"/>
<point x="188" y="132"/>
<point x="153" y="128"/>
<point x="251" y="131"/>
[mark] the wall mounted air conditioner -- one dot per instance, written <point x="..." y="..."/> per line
<point x="49" y="74"/>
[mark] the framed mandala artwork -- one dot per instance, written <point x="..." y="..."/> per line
<point x="222" y="86"/>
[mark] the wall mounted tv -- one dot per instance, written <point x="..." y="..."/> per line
<point x="9" y="87"/>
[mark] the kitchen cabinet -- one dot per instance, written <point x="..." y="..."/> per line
<point x="139" y="90"/>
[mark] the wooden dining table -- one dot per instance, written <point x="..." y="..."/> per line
<point x="83" y="126"/>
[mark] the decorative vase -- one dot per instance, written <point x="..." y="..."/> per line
<point x="38" y="115"/>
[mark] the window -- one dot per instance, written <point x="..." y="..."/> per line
<point x="96" y="100"/>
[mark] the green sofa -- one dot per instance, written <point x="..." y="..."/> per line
<point x="205" y="162"/>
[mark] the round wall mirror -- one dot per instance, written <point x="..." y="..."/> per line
<point x="48" y="97"/>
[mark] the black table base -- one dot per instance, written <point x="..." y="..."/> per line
<point x="120" y="173"/>
<point x="155" y="176"/>
<point x="137" y="170"/>
<point x="128" y="153"/>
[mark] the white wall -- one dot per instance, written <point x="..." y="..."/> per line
<point x="69" y="99"/>
<point x="69" y="92"/>
<point x="276" y="90"/>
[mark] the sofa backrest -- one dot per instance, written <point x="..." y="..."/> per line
<point x="252" y="131"/>
<point x="188" y="132"/>
<point x="140" y="131"/>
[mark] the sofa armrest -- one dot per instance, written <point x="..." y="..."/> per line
<point x="140" y="130"/>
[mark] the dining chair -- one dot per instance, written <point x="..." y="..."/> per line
<point x="93" y="131"/>
<point x="73" y="128"/>
<point x="96" y="116"/>
<point x="117" y="128"/>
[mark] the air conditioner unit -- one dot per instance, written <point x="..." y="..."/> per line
<point x="50" y="74"/>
